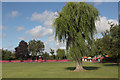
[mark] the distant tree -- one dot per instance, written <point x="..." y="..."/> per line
<point x="22" y="50"/>
<point x="93" y="49"/>
<point x="106" y="42"/>
<point x="36" y="47"/>
<point x="0" y="54"/>
<point x="12" y="57"/>
<point x="7" y="55"/>
<point x="52" y="53"/>
<point x="76" y="25"/>
<point x="3" y="53"/>
<point x="115" y="35"/>
<point x="60" y="53"/>
<point x="110" y="42"/>
<point x="46" y="55"/>
<point x="98" y="44"/>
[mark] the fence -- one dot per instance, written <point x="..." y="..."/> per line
<point x="18" y="61"/>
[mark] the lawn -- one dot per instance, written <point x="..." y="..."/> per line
<point x="58" y="70"/>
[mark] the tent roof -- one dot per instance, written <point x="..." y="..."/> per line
<point x="85" y="57"/>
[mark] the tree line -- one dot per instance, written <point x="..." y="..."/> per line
<point x="109" y="44"/>
<point x="33" y="50"/>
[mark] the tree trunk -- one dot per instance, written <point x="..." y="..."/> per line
<point x="79" y="66"/>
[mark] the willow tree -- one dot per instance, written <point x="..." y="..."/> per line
<point x="75" y="25"/>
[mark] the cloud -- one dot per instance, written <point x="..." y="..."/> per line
<point x="51" y="38"/>
<point x="39" y="31"/>
<point x="14" y="14"/>
<point x="20" y="28"/>
<point x="59" y="45"/>
<point x="47" y="46"/>
<point x="54" y="44"/>
<point x="47" y="17"/>
<point x="103" y="24"/>
<point x="63" y="47"/>
<point x="22" y="38"/>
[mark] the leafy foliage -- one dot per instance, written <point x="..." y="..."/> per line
<point x="76" y="25"/>
<point x="36" y="47"/>
<point x="110" y="42"/>
<point x="6" y="54"/>
<point x="52" y="51"/>
<point x="60" y="53"/>
<point x="22" y="50"/>
<point x="46" y="55"/>
<point x="115" y="34"/>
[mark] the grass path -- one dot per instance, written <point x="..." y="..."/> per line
<point x="58" y="70"/>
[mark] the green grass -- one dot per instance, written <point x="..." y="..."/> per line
<point x="58" y="70"/>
